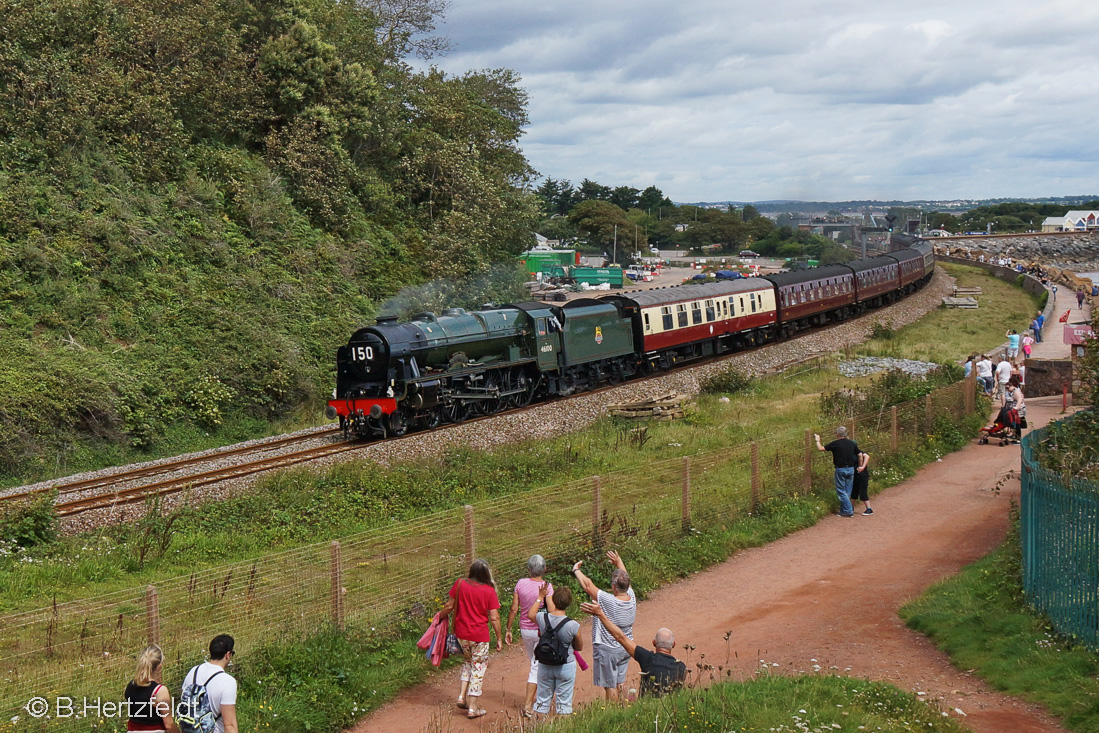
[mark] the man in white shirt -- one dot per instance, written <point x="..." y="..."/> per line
<point x="221" y="688"/>
<point x="984" y="373"/>
<point x="1003" y="374"/>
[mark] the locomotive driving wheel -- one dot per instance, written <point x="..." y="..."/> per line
<point x="491" y="384"/>
<point x="454" y="411"/>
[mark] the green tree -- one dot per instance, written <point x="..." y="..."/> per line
<point x="653" y="198"/>
<point x="600" y="222"/>
<point x="624" y="197"/>
<point x="558" y="195"/>
<point x="592" y="191"/>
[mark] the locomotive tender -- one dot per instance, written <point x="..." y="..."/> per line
<point x="435" y="369"/>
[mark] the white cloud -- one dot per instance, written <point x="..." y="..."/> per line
<point x="799" y="99"/>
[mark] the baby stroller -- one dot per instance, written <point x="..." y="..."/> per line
<point x="1006" y="428"/>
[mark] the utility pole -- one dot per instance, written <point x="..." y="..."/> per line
<point x="614" y="258"/>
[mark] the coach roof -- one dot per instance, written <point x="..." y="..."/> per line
<point x="794" y="277"/>
<point x="870" y="264"/>
<point x="703" y="291"/>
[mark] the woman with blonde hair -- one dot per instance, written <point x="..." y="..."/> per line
<point x="148" y="702"/>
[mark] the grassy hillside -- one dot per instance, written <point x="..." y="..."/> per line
<point x="200" y="199"/>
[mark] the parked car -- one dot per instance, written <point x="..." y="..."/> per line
<point x="747" y="253"/>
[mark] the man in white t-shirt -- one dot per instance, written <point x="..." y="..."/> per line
<point x="1003" y="374"/>
<point x="221" y="688"/>
<point x="984" y="373"/>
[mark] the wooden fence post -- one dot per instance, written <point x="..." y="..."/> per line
<point x="928" y="417"/>
<point x="808" y="480"/>
<point x="471" y="544"/>
<point x="686" y="508"/>
<point x="755" y="477"/>
<point x="896" y="440"/>
<point x="596" y="508"/>
<point x="337" y="585"/>
<point x="152" y="614"/>
<point x="971" y="392"/>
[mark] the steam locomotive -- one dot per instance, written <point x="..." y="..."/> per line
<point x="444" y="368"/>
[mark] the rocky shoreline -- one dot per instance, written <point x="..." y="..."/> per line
<point x="1075" y="251"/>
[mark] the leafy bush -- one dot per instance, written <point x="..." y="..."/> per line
<point x="28" y="522"/>
<point x="893" y="387"/>
<point x="883" y="332"/>
<point x="727" y="381"/>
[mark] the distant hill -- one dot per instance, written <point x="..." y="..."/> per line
<point x="947" y="205"/>
<point x="200" y="200"/>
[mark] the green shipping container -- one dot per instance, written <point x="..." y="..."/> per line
<point x="599" y="275"/>
<point x="539" y="260"/>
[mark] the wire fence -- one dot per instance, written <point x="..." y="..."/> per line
<point x="1059" y="531"/>
<point x="384" y="577"/>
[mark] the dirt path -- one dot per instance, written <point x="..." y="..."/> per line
<point x="824" y="597"/>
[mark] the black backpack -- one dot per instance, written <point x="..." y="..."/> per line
<point x="551" y="649"/>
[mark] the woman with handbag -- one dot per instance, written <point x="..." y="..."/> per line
<point x="474" y="603"/>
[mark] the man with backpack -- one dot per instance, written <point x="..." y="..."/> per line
<point x="209" y="700"/>
<point x="558" y="637"/>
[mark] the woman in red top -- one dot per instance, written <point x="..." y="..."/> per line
<point x="474" y="603"/>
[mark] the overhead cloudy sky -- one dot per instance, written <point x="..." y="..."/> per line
<point x="800" y="99"/>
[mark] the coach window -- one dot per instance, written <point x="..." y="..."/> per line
<point x="725" y="308"/>
<point x="681" y="311"/>
<point x="666" y="313"/>
<point x="711" y="314"/>
<point x="752" y="300"/>
<point x="647" y="326"/>
<point x="696" y="312"/>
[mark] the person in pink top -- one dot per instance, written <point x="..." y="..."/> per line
<point x="525" y="596"/>
<point x="474" y="603"/>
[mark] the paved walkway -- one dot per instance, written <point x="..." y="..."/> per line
<point x="1053" y="346"/>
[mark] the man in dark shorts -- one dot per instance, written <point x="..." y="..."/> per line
<point x="860" y="490"/>
<point x="845" y="457"/>
<point x="660" y="671"/>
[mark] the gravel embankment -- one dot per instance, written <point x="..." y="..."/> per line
<point x="865" y="365"/>
<point x="554" y="418"/>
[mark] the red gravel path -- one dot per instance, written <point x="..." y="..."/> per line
<point x="829" y="593"/>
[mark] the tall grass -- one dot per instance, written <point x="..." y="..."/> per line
<point x="806" y="704"/>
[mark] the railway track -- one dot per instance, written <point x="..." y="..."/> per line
<point x="136" y="493"/>
<point x="139" y="493"/>
<point x="66" y="488"/>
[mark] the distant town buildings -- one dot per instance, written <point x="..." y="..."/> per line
<point x="1073" y="221"/>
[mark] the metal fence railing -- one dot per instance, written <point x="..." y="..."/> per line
<point x="1059" y="531"/>
<point x="383" y="577"/>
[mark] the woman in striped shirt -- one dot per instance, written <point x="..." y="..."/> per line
<point x="610" y="659"/>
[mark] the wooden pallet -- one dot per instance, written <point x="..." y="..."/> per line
<point x="662" y="409"/>
<point x="966" y="292"/>
<point x="960" y="302"/>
